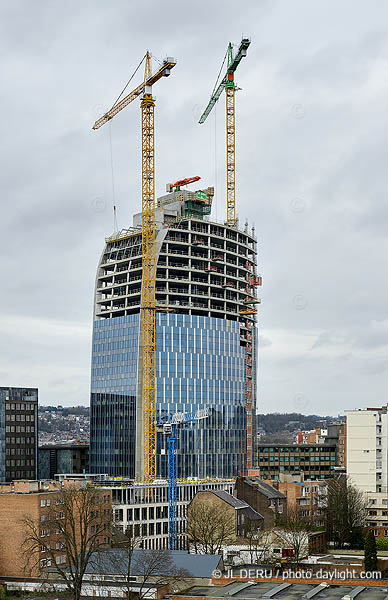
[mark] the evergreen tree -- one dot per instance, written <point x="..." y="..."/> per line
<point x="370" y="554"/>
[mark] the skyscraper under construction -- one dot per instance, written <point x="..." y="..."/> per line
<point x="206" y="342"/>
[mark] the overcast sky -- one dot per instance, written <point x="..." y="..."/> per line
<point x="312" y="137"/>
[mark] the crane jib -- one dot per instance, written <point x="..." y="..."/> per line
<point x="241" y="52"/>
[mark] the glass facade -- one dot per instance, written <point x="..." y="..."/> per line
<point x="200" y="363"/>
<point x="113" y="396"/>
<point x="206" y="287"/>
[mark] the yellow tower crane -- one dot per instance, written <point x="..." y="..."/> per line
<point x="148" y="248"/>
<point x="227" y="83"/>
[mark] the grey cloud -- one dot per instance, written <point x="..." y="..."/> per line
<point x="264" y="342"/>
<point x="60" y="61"/>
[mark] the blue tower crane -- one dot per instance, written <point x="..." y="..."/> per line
<point x="170" y="430"/>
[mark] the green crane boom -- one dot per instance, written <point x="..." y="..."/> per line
<point x="232" y="66"/>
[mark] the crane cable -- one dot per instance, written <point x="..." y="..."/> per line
<point x="215" y="132"/>
<point x="115" y="226"/>
<point x="215" y="160"/>
<point x="130" y="79"/>
<point x="219" y="73"/>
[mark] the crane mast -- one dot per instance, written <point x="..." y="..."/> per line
<point x="148" y="283"/>
<point x="170" y="429"/>
<point x="230" y="145"/>
<point x="148" y="249"/>
<point x="228" y="84"/>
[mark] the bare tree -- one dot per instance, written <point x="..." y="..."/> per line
<point x="76" y="525"/>
<point x="138" y="568"/>
<point x="209" y="528"/>
<point x="345" y="511"/>
<point x="294" y="532"/>
<point x="121" y="561"/>
<point x="259" y="543"/>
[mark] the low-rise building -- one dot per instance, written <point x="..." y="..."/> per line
<point x="243" y="516"/>
<point x="141" y="566"/>
<point x="308" y="497"/>
<point x="313" y="436"/>
<point x="259" y="582"/>
<point x="316" y="461"/>
<point x="263" y="498"/>
<point x="377" y="513"/>
<point x="39" y="504"/>
<point x="144" y="507"/>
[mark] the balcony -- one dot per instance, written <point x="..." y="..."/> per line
<point x="179" y="277"/>
<point x="180" y="252"/>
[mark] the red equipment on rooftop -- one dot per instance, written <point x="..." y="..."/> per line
<point x="178" y="184"/>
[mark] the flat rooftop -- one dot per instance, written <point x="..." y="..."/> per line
<point x="291" y="591"/>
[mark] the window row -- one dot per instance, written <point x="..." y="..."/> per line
<point x="47" y="532"/>
<point x="20" y="474"/>
<point x="19" y="451"/>
<point x="46" y="517"/>
<point x="20" y="462"/>
<point x="29" y="406"/>
<point x="21" y="417"/>
<point x="19" y="429"/>
<point x="20" y="440"/>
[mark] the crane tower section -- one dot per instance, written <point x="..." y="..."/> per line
<point x="228" y="84"/>
<point x="148" y="250"/>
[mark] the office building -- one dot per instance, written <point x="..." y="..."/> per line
<point x="315" y="461"/>
<point x="143" y="508"/>
<point x="206" y="342"/>
<point x="54" y="459"/>
<point x="18" y="433"/>
<point x="336" y="434"/>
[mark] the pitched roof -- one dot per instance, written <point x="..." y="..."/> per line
<point x="232" y="500"/>
<point x="114" y="561"/>
<point x="264" y="488"/>
<point x="237" y="503"/>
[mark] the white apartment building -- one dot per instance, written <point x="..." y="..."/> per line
<point x="367" y="448"/>
<point x="367" y="462"/>
<point x="144" y="507"/>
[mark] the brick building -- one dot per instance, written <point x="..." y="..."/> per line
<point x="308" y="497"/>
<point x="262" y="497"/>
<point x="240" y="513"/>
<point x="36" y="501"/>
